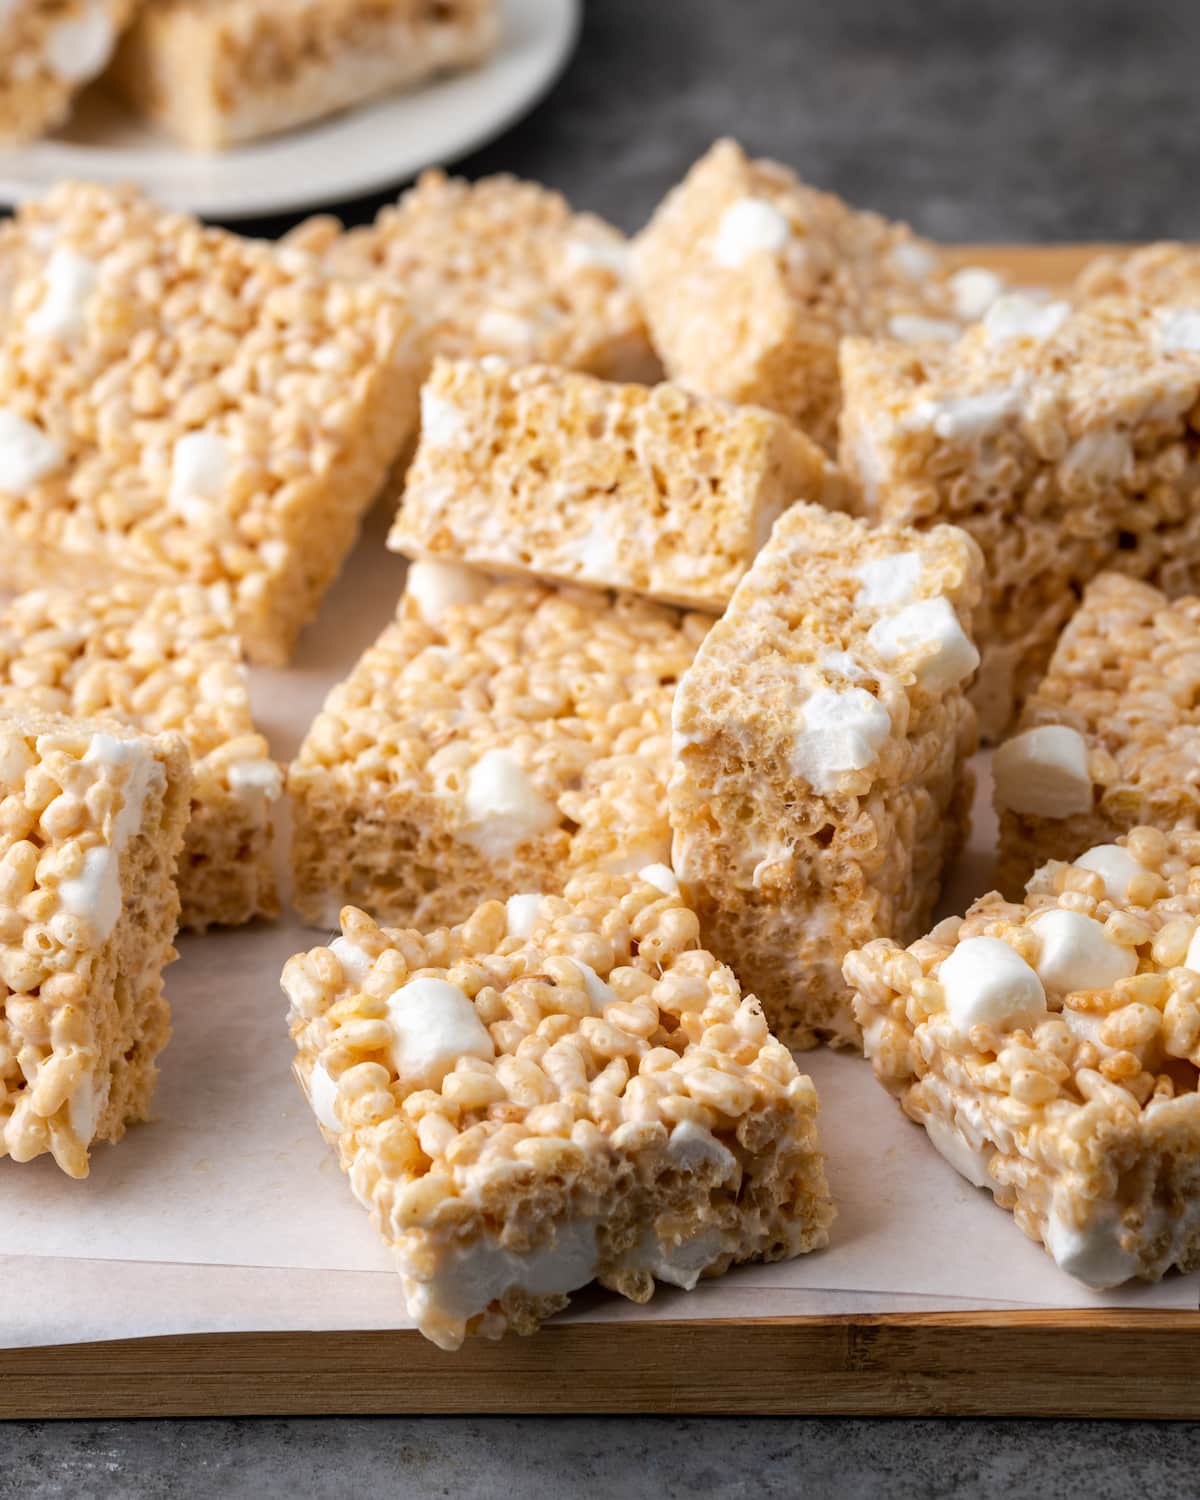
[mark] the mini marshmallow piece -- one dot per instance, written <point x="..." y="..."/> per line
<point x="987" y="983"/>
<point x="503" y="806"/>
<point x="70" y="281"/>
<point x="1044" y="772"/>
<point x="322" y="1091"/>
<point x="661" y="877"/>
<point x="1097" y="459"/>
<point x="889" y="582"/>
<point x="436" y="587"/>
<point x="1115" y="866"/>
<point x="433" y="1025"/>
<point x="693" y="1145"/>
<point x="913" y="260"/>
<point x="844" y="730"/>
<point x="441" y="421"/>
<point x="1076" y="953"/>
<point x="1192" y="961"/>
<point x="601" y="255"/>
<point x="748" y="226"/>
<point x="79" y="48"/>
<point x="521" y="912"/>
<point x="496" y="325"/>
<point x="912" y="328"/>
<point x="259" y="777"/>
<point x="965" y="419"/>
<point x="1017" y="315"/>
<point x="974" y="289"/>
<point x="599" y="993"/>
<point x="1179" y="330"/>
<point x="199" y="469"/>
<point x="27" y="455"/>
<point x="840" y="664"/>
<point x="356" y="965"/>
<point x="1093" y="1255"/>
<point x="95" y="893"/>
<point x="929" y="627"/>
<point x="966" y="1161"/>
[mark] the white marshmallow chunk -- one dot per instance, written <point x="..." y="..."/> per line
<point x="599" y="993"/>
<point x="929" y="627"/>
<point x="844" y="730"/>
<point x="433" y="1025"/>
<point x="966" y="1161"/>
<point x="322" y="1091"/>
<point x="356" y="964"/>
<point x="1017" y="315"/>
<point x="1076" y="954"/>
<point x="598" y="255"/>
<point x="442" y="422"/>
<point x="1094" y="1254"/>
<point x="1192" y="961"/>
<point x="199" y="470"/>
<point x="521" y="913"/>
<point x="1097" y="459"/>
<point x="987" y="983"/>
<point x="514" y="334"/>
<point x="965" y="419"/>
<point x="747" y="227"/>
<point x="77" y="49"/>
<point x="95" y="893"/>
<point x="661" y="877"/>
<point x="840" y="664"/>
<point x="436" y="587"/>
<point x="504" y="809"/>
<point x="1179" y="330"/>
<point x="70" y="281"/>
<point x="1114" y="865"/>
<point x="889" y="582"/>
<point x="912" y="328"/>
<point x="692" y="1146"/>
<point x="973" y="290"/>
<point x="27" y="455"/>
<point x="255" y="778"/>
<point x="1044" y="772"/>
<point x="913" y="260"/>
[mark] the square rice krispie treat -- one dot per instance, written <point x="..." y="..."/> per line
<point x="1162" y="273"/>
<point x="216" y="72"/>
<point x="576" y="1093"/>
<point x="502" y="267"/>
<point x="1110" y="737"/>
<point x="1050" y="1050"/>
<point x="820" y="784"/>
<point x="91" y="823"/>
<point x="494" y="739"/>
<point x="182" y="405"/>
<point x="162" y="660"/>
<point x="48" y="52"/>
<point x="1061" y="440"/>
<point x="749" y="278"/>
<point x="647" y="488"/>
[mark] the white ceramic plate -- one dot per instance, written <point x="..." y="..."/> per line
<point x="361" y="151"/>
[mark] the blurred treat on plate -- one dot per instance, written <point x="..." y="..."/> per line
<point x="48" y="52"/>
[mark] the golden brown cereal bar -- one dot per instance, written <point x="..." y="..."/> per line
<point x="1161" y="273"/>
<point x="48" y="52"/>
<point x="581" y="1094"/>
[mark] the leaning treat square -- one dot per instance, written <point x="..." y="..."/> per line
<point x="647" y="488"/>
<point x="186" y="406"/>
<point x="1110" y="737"/>
<point x="820" y="785"/>
<point x="91" y="823"/>
<point x="48" y="53"/>
<point x="1050" y="1050"/>
<point x="1060" y="439"/>
<point x="162" y="660"/>
<point x="494" y="739"/>
<point x="553" y="1093"/>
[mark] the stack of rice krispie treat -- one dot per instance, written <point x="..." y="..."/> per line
<point x="185" y="406"/>
<point x="539" y="1098"/>
<point x="1050" y="1048"/>
<point x="648" y="488"/>
<point x="1060" y="439"/>
<point x="48" y="52"/>
<point x="162" y="660"/>
<point x="819" y="784"/>
<point x="91" y="822"/>
<point x="1162" y="273"/>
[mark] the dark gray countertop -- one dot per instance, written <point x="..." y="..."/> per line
<point x="976" y="120"/>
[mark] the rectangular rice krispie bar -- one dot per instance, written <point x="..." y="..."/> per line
<point x="577" y="1094"/>
<point x="504" y="267"/>
<point x="820" y="785"/>
<point x="1059" y="439"/>
<point x="162" y="660"/>
<point x="183" y="405"/>
<point x="48" y="52"/>
<point x="1110" y="737"/>
<point x="750" y="278"/>
<point x="216" y="72"/>
<point x="647" y="488"/>
<point x="495" y="738"/>
<point x="1161" y="273"/>
<point x="1050" y="1050"/>
<point x="91" y="823"/>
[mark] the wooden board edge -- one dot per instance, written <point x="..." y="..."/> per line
<point x="1054" y="266"/>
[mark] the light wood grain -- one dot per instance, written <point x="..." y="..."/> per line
<point x="1053" y="266"/>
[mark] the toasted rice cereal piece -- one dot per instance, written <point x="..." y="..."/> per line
<point x="216" y="72"/>
<point x="585" y="1096"/>
<point x="501" y="267"/>
<point x="1162" y="273"/>
<point x="1050" y="1050"/>
<point x="496" y="738"/>
<point x="48" y="52"/>
<point x="91" y="823"/>
<point x="647" y="488"/>
<point x="182" y="405"/>
<point x="1060" y="439"/>
<point x="163" y="660"/>
<point x="1110" y="737"/>
<point x="820" y="784"/>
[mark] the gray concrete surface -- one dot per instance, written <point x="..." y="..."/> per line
<point x="976" y="120"/>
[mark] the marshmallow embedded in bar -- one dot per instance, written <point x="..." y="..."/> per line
<point x="47" y="54"/>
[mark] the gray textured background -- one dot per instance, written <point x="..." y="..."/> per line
<point x="975" y="120"/>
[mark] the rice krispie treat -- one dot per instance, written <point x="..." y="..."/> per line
<point x="561" y="1090"/>
<point x="749" y="278"/>
<point x="820" y="782"/>
<point x="1161" y="273"/>
<point x="648" y="488"/>
<point x="162" y="660"/>
<point x="495" y="738"/>
<point x="91" y="822"/>
<point x="183" y="405"/>
<point x="1050" y="1050"/>
<point x="216" y="72"/>
<point x="502" y="267"/>
<point x="1110" y="737"/>
<point x="48" y="52"/>
<point x="1059" y="439"/>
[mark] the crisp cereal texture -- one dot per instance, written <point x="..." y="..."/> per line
<point x="797" y="841"/>
<point x="646" y="488"/>
<point x="48" y="52"/>
<point x="753" y="310"/>
<point x="91" y="822"/>
<point x="1124" y="676"/>
<point x="162" y="660"/>
<point x="217" y="72"/>
<point x="1164" y="273"/>
<point x="180" y="404"/>
<point x="611" y="1106"/>
<point x="1083" y="1119"/>
<point x="501" y="267"/>
<point x="492" y="746"/>
<point x="1059" y="439"/>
